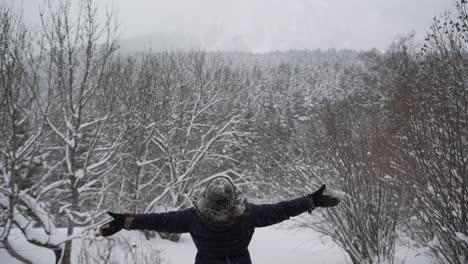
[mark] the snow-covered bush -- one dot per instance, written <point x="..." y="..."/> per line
<point x="433" y="113"/>
<point x="117" y="250"/>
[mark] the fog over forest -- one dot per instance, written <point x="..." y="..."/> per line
<point x="264" y="25"/>
<point x="134" y="107"/>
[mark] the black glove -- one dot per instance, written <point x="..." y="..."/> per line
<point x="113" y="226"/>
<point x="321" y="200"/>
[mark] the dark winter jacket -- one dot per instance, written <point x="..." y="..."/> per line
<point x="218" y="244"/>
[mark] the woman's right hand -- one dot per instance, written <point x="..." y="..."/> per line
<point x="113" y="226"/>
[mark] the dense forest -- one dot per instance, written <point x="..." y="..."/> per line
<point x="85" y="129"/>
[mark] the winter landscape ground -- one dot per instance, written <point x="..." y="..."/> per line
<point x="272" y="245"/>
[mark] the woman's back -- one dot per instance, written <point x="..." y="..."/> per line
<point x="221" y="222"/>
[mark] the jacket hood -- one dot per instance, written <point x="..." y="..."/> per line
<point x="221" y="203"/>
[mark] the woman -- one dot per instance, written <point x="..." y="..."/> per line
<point x="221" y="222"/>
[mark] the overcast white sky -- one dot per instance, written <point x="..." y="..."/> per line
<point x="264" y="25"/>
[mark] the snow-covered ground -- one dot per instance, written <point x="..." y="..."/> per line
<point x="273" y="245"/>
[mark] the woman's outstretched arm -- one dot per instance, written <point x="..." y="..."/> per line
<point x="170" y="222"/>
<point x="261" y="215"/>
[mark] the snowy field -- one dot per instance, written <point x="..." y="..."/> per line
<point x="272" y="245"/>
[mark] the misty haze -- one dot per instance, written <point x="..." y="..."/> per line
<point x="216" y="131"/>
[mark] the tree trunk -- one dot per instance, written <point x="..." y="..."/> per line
<point x="58" y="254"/>
<point x="9" y="248"/>
<point x="68" y="245"/>
<point x="71" y="225"/>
